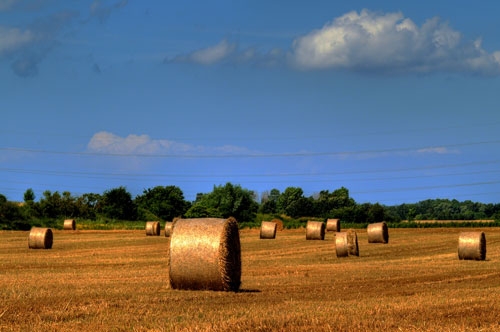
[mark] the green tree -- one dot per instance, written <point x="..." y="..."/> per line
<point x="375" y="213"/>
<point x="29" y="195"/>
<point x="164" y="202"/>
<point x="293" y="203"/>
<point x="117" y="203"/>
<point x="226" y="201"/>
<point x="50" y="204"/>
<point x="269" y="201"/>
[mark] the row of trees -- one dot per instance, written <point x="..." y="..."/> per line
<point x="168" y="202"/>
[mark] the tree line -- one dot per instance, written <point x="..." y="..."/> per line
<point x="167" y="202"/>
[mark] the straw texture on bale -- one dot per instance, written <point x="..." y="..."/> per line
<point x="346" y="244"/>
<point x="378" y="233"/>
<point x="279" y="224"/>
<point x="205" y="254"/>
<point x="153" y="228"/>
<point x="268" y="230"/>
<point x="315" y="230"/>
<point x="69" y="224"/>
<point x="472" y="246"/>
<point x="333" y="225"/>
<point x="40" y="238"/>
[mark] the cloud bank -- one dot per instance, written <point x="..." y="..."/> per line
<point x="367" y="42"/>
<point x="109" y="143"/>
<point x="391" y="42"/>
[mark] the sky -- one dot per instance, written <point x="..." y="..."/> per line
<point x="396" y="101"/>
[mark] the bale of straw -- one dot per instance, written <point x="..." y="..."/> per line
<point x="168" y="228"/>
<point x="69" y="224"/>
<point x="315" y="230"/>
<point x="205" y="254"/>
<point x="279" y="224"/>
<point x="333" y="225"/>
<point x="268" y="230"/>
<point x="153" y="228"/>
<point x="40" y="238"/>
<point x="346" y="243"/>
<point x="472" y="246"/>
<point x="378" y="233"/>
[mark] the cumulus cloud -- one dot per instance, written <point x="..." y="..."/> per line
<point x="109" y="143"/>
<point x="390" y="42"/>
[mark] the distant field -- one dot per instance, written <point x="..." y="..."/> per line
<point x="117" y="281"/>
<point x="451" y="221"/>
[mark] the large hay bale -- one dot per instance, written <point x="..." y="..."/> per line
<point x="205" y="254"/>
<point x="69" y="224"/>
<point x="346" y="243"/>
<point x="315" y="230"/>
<point x="472" y="246"/>
<point x="268" y="230"/>
<point x="378" y="233"/>
<point x="40" y="238"/>
<point x="333" y="225"/>
<point x="153" y="228"/>
<point x="279" y="224"/>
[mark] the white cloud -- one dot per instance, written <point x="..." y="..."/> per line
<point x="13" y="39"/>
<point x="437" y="150"/>
<point x="390" y="42"/>
<point x="210" y="55"/>
<point x="108" y="143"/>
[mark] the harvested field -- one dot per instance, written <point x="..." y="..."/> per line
<point x="118" y="281"/>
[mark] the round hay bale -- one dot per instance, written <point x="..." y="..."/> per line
<point x="472" y="246"/>
<point x="40" y="238"/>
<point x="168" y="228"/>
<point x="378" y="233"/>
<point x="205" y="254"/>
<point x="153" y="228"/>
<point x="69" y="224"/>
<point x="333" y="225"/>
<point x="346" y="244"/>
<point x="268" y="230"/>
<point x="315" y="230"/>
<point x="279" y="224"/>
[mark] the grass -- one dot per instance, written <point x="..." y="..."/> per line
<point x="117" y="280"/>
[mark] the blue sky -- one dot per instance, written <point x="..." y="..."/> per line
<point x="398" y="102"/>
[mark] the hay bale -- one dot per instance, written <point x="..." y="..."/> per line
<point x="40" y="238"/>
<point x="268" y="230"/>
<point x="279" y="224"/>
<point x="346" y="243"/>
<point x="315" y="230"/>
<point x="378" y="233"/>
<point x="168" y="228"/>
<point x="153" y="228"/>
<point x="333" y="225"/>
<point x="69" y="224"/>
<point x="472" y="246"/>
<point x="205" y="254"/>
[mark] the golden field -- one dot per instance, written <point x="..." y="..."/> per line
<point x="118" y="281"/>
